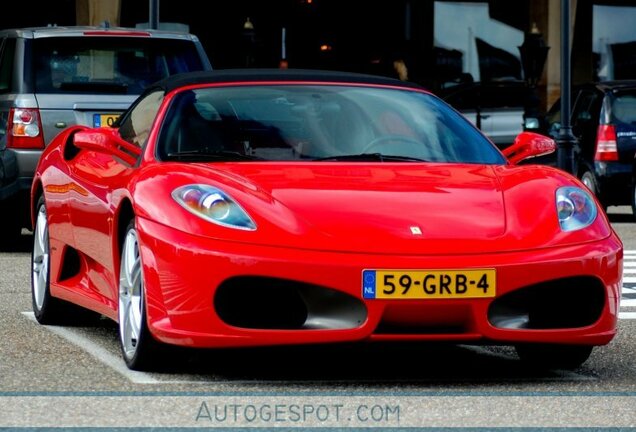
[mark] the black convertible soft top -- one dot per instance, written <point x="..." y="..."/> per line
<point x="242" y="75"/>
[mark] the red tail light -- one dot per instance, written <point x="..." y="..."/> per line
<point x="606" y="149"/>
<point x="25" y="129"/>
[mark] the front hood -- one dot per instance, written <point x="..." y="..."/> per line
<point x="389" y="208"/>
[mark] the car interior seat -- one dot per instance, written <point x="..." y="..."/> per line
<point x="199" y="134"/>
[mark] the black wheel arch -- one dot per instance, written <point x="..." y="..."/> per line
<point x="124" y="215"/>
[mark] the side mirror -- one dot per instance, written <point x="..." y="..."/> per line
<point x="108" y="141"/>
<point x="527" y="145"/>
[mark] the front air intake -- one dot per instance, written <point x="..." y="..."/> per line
<point x="279" y="304"/>
<point x="558" y="304"/>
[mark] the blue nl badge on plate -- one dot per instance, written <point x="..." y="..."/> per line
<point x="368" y="284"/>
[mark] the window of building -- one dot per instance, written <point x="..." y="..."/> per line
<point x="480" y="49"/>
<point x="614" y="41"/>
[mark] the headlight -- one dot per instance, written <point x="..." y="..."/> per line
<point x="575" y="207"/>
<point x="213" y="205"/>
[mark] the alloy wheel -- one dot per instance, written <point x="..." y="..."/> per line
<point x="130" y="295"/>
<point x="40" y="258"/>
<point x="588" y="180"/>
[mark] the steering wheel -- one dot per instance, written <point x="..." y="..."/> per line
<point x="395" y="138"/>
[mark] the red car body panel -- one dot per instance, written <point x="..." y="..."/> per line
<point x="321" y="224"/>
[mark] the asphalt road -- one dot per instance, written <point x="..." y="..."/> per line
<point x="74" y="376"/>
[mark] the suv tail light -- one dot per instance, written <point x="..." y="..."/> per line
<point x="606" y="149"/>
<point x="25" y="129"/>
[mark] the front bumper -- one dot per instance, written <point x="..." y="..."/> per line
<point x="182" y="273"/>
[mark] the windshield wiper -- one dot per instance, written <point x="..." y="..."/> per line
<point x="371" y="157"/>
<point x="221" y="155"/>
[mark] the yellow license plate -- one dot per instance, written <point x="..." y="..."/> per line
<point x="100" y="120"/>
<point x="429" y="284"/>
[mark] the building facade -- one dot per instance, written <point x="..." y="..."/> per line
<point x="436" y="43"/>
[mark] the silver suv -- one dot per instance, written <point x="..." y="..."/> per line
<point x="498" y="108"/>
<point x="54" y="77"/>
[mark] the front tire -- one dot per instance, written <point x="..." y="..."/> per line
<point x="47" y="309"/>
<point x="588" y="180"/>
<point x="553" y="356"/>
<point x="137" y="344"/>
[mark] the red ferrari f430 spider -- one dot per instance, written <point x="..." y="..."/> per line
<point x="251" y="208"/>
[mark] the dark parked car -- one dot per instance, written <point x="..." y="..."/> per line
<point x="498" y="108"/>
<point x="604" y="123"/>
<point x="55" y="77"/>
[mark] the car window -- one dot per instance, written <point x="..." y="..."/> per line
<point x="488" y="96"/>
<point x="553" y="117"/>
<point x="583" y="107"/>
<point x="7" y="51"/>
<point x="123" y="65"/>
<point x="6" y="64"/>
<point x="463" y="98"/>
<point x="302" y="122"/>
<point x="624" y="109"/>
<point x="136" y="124"/>
<point x="504" y="96"/>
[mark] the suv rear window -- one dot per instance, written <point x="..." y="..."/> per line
<point x="121" y="65"/>
<point x="624" y="108"/>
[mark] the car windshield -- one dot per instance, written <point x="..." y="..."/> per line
<point x="320" y="123"/>
<point x="114" y="65"/>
